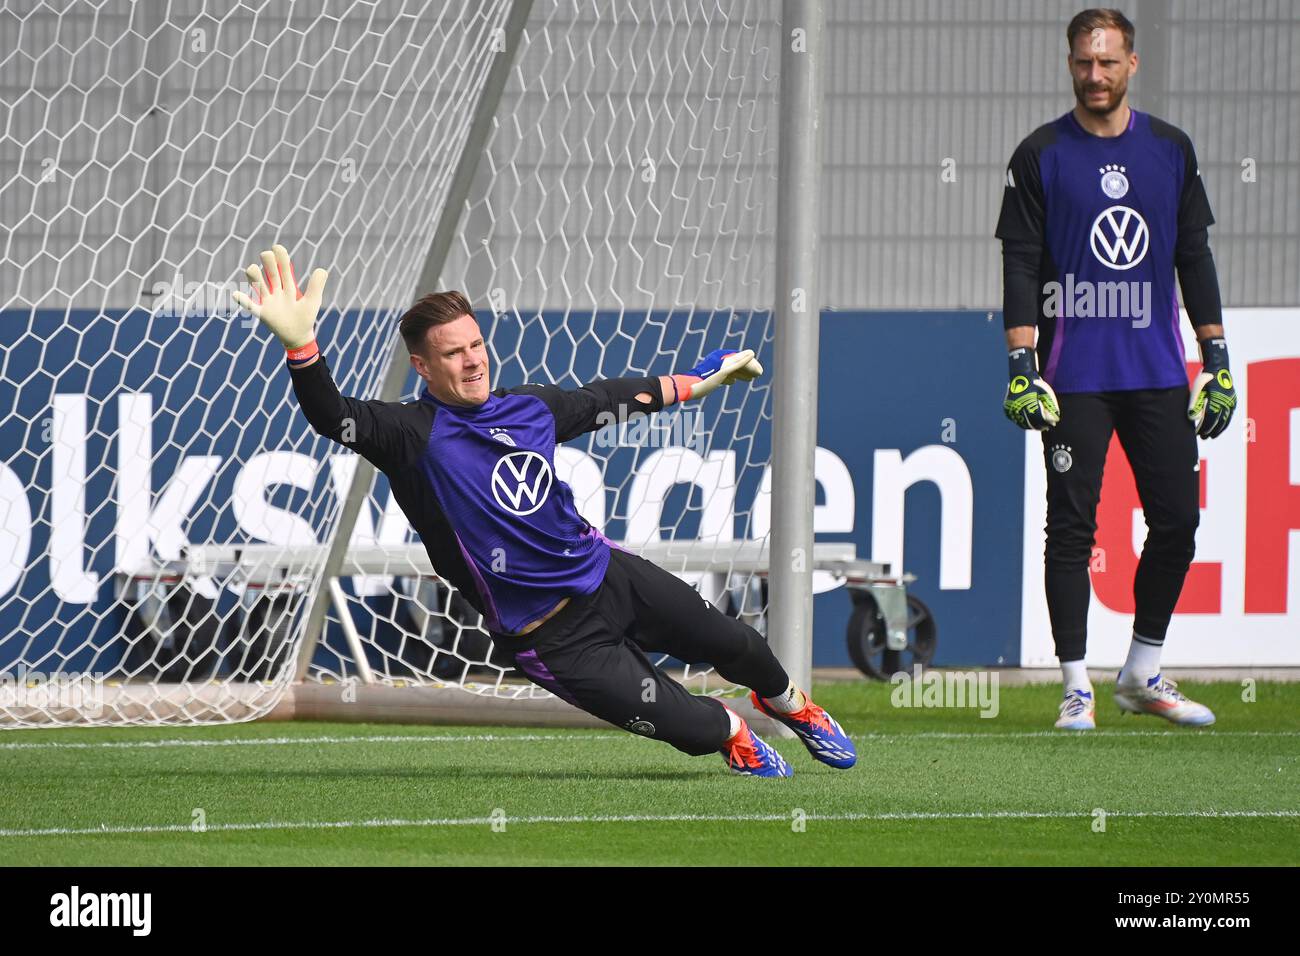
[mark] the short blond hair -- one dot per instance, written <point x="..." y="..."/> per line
<point x="1100" y="19"/>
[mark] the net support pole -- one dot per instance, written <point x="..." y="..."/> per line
<point x="797" y="313"/>
<point x="1151" y="20"/>
<point x="395" y="376"/>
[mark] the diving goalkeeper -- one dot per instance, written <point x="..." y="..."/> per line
<point x="472" y="469"/>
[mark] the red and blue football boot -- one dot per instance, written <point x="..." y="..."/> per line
<point x="819" y="731"/>
<point x="746" y="753"/>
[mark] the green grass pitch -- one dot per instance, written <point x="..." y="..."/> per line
<point x="931" y="787"/>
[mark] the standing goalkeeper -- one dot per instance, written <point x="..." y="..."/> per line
<point x="1101" y="206"/>
<point x="473" y="471"/>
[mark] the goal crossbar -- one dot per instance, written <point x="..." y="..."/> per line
<point x="266" y="564"/>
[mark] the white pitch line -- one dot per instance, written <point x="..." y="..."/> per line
<point x="1074" y="734"/>
<point x="650" y="818"/>
<point x="507" y="738"/>
<point x="282" y="741"/>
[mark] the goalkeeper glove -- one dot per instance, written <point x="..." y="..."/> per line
<point x="1030" y="401"/>
<point x="1213" y="396"/>
<point x="719" y="367"/>
<point x="280" y="306"/>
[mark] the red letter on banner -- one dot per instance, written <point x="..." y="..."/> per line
<point x="1272" y="501"/>
<point x="1202" y="588"/>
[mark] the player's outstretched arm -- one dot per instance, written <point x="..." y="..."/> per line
<point x="386" y="433"/>
<point x="612" y="401"/>
<point x="719" y="367"/>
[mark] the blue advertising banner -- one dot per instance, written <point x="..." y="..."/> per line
<point x="916" y="461"/>
<point x="911" y="403"/>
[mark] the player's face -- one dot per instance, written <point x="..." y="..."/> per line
<point x="1100" y="68"/>
<point x="455" y="363"/>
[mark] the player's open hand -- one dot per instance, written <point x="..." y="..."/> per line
<point x="719" y="367"/>
<point x="280" y="306"/>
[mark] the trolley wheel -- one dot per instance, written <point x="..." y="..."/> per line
<point x="866" y="638"/>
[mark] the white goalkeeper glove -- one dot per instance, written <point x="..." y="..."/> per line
<point x="719" y="367"/>
<point x="287" y="312"/>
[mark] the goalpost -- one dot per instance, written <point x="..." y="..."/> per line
<point x="606" y="184"/>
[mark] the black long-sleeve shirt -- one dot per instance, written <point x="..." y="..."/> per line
<point x="1093" y="230"/>
<point x="478" y="483"/>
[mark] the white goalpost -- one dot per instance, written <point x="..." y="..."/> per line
<point x="602" y="182"/>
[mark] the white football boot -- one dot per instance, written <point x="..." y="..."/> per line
<point x="1160" y="697"/>
<point x="1078" y="711"/>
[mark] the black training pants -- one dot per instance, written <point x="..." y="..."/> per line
<point x="593" y="655"/>
<point x="1161" y="447"/>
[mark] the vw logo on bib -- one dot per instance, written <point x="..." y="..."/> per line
<point x="1120" y="238"/>
<point x="521" y="481"/>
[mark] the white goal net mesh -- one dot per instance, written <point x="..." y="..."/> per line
<point x="165" y="510"/>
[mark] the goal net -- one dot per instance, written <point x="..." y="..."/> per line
<point x="166" y="512"/>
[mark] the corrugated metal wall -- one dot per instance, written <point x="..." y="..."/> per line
<point x="1234" y="85"/>
<point x="633" y="162"/>
<point x="148" y="140"/>
<point x="910" y="84"/>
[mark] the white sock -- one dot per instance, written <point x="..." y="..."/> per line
<point x="735" y="722"/>
<point x="790" y="701"/>
<point x="1143" y="661"/>
<point x="1074" y="675"/>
